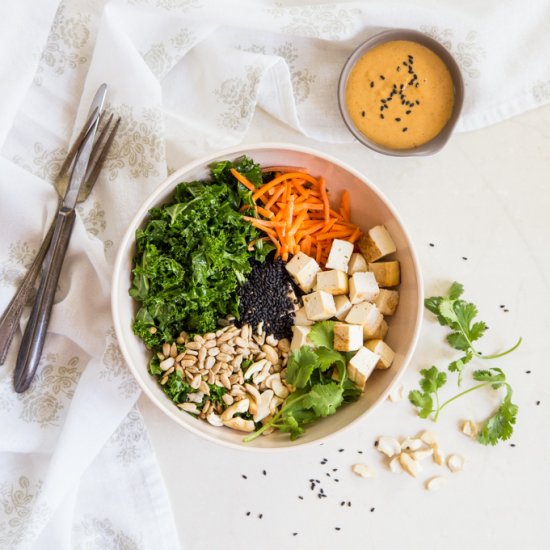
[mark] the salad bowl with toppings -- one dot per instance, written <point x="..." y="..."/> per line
<point x="267" y="296"/>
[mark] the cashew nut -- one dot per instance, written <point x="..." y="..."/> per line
<point x="237" y="407"/>
<point x="389" y="446"/>
<point x="240" y="424"/>
<point x="263" y="405"/>
<point x="254" y="368"/>
<point x="214" y="419"/>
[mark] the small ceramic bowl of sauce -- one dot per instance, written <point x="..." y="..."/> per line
<point x="400" y="93"/>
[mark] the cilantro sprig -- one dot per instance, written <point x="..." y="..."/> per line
<point x="459" y="316"/>
<point x="316" y="394"/>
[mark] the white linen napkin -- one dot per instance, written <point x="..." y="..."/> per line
<point x="186" y="76"/>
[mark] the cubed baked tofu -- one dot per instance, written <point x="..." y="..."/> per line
<point x="361" y="366"/>
<point x="343" y="305"/>
<point x="300" y="318"/>
<point x="319" y="305"/>
<point x="383" y="350"/>
<point x="387" y="301"/>
<point x="366" y="315"/>
<point x="378" y="334"/>
<point x="347" y="337"/>
<point x="300" y="337"/>
<point x="339" y="255"/>
<point x="386" y="273"/>
<point x="376" y="244"/>
<point x="303" y="270"/>
<point x="363" y="287"/>
<point x="334" y="282"/>
<point x="357" y="263"/>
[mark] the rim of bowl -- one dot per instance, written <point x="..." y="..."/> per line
<point x="129" y="237"/>
<point x="437" y="142"/>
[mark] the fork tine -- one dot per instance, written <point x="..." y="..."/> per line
<point x="78" y="142"/>
<point x="101" y="150"/>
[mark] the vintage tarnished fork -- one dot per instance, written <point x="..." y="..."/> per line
<point x="9" y="321"/>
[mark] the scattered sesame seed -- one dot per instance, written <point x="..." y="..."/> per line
<point x="464" y="258"/>
<point x="502" y="306"/>
<point x="360" y="452"/>
<point x="512" y="444"/>
<point x="382" y="116"/>
<point x="260" y="516"/>
<point x="337" y="480"/>
<point x="372" y="84"/>
<point x="362" y="113"/>
<point x="372" y="509"/>
<point x="334" y="469"/>
<point x="506" y="310"/>
<point x="404" y="129"/>
<point x="527" y="372"/>
<point x="383" y="100"/>
<point x="294" y="534"/>
<point x="248" y="513"/>
<point x="537" y="403"/>
<point x="382" y="77"/>
<point x="417" y="102"/>
<point x="408" y="112"/>
<point x="432" y="245"/>
<point x="264" y="472"/>
<point x="340" y="450"/>
<point x="398" y="68"/>
<point x="327" y="474"/>
<point x="243" y="476"/>
<point x="405" y="64"/>
<point x="397" y="119"/>
<point x="382" y="108"/>
<point x="343" y="503"/>
<point x="337" y="528"/>
<point x="416" y="85"/>
<point x="300" y="497"/>
<point x="349" y="504"/>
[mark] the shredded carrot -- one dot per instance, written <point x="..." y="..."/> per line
<point x="243" y="180"/>
<point x="324" y="197"/>
<point x="344" y="205"/>
<point x="294" y="211"/>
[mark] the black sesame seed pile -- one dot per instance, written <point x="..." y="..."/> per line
<point x="267" y="296"/>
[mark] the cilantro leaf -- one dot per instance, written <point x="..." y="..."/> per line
<point x="423" y="401"/>
<point x="494" y="375"/>
<point x="500" y="426"/>
<point x="456" y="291"/>
<point x="459" y="365"/>
<point x="328" y="358"/>
<point x="324" y="399"/>
<point x="322" y="334"/>
<point x="432" y="380"/>
<point x="301" y="365"/>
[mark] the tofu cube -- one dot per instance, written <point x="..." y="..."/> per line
<point x="339" y="255"/>
<point x="378" y="334"/>
<point x="334" y="282"/>
<point x="363" y="287"/>
<point x="303" y="270"/>
<point x="376" y="244"/>
<point x="300" y="337"/>
<point x="319" y="305"/>
<point x="343" y="305"/>
<point x="357" y="263"/>
<point x="366" y="315"/>
<point x="361" y="366"/>
<point x="347" y="337"/>
<point x="300" y="318"/>
<point x="383" y="350"/>
<point x="386" y="273"/>
<point x="387" y="301"/>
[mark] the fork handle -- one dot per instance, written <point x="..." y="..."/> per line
<point x="9" y="322"/>
<point x="34" y="336"/>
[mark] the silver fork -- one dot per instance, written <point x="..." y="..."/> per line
<point x="9" y="322"/>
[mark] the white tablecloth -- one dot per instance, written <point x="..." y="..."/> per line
<point x="187" y="76"/>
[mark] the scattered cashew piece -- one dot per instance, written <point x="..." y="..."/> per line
<point x="455" y="463"/>
<point x="469" y="427"/>
<point x="389" y="446"/>
<point x="410" y="465"/>
<point x="363" y="470"/>
<point x="435" y="483"/>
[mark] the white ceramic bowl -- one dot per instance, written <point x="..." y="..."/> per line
<point x="368" y="207"/>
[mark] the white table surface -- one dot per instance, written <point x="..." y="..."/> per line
<point x="484" y="203"/>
